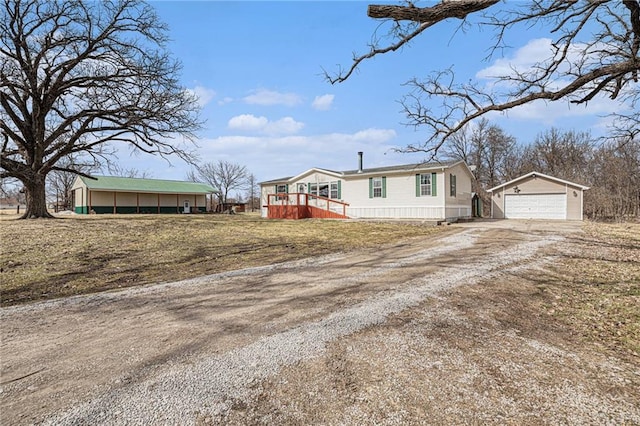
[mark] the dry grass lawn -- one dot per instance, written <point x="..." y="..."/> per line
<point x="596" y="290"/>
<point x="551" y="339"/>
<point x="42" y="259"/>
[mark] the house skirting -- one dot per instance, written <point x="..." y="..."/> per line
<point x="410" y="212"/>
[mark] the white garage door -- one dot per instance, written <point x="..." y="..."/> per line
<point x="535" y="206"/>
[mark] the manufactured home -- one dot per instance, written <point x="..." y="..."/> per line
<point x="433" y="191"/>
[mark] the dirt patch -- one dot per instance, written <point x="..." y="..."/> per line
<point x="517" y="349"/>
<point x="454" y="328"/>
<point x="45" y="259"/>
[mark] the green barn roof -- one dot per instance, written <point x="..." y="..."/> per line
<point x="123" y="184"/>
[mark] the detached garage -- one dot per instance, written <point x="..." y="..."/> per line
<point x="537" y="196"/>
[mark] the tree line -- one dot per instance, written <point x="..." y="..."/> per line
<point x="236" y="184"/>
<point x="233" y="181"/>
<point x="610" y="167"/>
<point x="78" y="79"/>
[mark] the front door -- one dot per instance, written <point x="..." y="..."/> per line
<point x="187" y="207"/>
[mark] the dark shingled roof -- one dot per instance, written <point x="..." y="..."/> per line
<point x="399" y="168"/>
<point x="402" y="167"/>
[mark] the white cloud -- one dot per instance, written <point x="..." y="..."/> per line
<point x="374" y="135"/>
<point x="225" y="100"/>
<point x="247" y="122"/>
<point x="534" y="52"/>
<point x="323" y="103"/>
<point x="251" y="123"/>
<point x="286" y="125"/>
<point x="527" y="60"/>
<point x="270" y="97"/>
<point x="550" y="113"/>
<point x="274" y="156"/>
<point x="203" y="94"/>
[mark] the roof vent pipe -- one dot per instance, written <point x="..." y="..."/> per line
<point x="360" y="161"/>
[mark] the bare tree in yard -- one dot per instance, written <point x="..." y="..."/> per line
<point x="485" y="147"/>
<point x="116" y="169"/>
<point x="253" y="191"/>
<point x="11" y="190"/>
<point x="60" y="180"/>
<point x="563" y="154"/>
<point x="223" y="175"/>
<point x="594" y="52"/>
<point x="615" y="171"/>
<point x="78" y="77"/>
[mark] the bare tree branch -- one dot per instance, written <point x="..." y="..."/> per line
<point x="447" y="9"/>
<point x="594" y="53"/>
<point x="222" y="175"/>
<point x="76" y="77"/>
<point x="425" y="17"/>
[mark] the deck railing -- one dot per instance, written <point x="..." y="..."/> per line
<point x="297" y="205"/>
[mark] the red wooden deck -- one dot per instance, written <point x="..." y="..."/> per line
<point x="304" y="206"/>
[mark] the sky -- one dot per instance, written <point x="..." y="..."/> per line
<point x="257" y="68"/>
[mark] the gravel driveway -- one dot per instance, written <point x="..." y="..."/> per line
<point x="349" y="338"/>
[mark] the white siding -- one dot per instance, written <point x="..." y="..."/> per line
<point x="400" y="201"/>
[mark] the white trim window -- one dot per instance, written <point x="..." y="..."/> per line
<point x="377" y="187"/>
<point x="325" y="189"/>
<point x="282" y="188"/>
<point x="425" y="184"/>
<point x="335" y="193"/>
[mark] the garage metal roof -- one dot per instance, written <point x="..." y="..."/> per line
<point x="124" y="184"/>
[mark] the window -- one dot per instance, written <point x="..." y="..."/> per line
<point x="378" y="187"/>
<point x="452" y="185"/>
<point x="426" y="184"/>
<point x="335" y="190"/>
<point x="282" y="189"/>
<point x="325" y="189"/>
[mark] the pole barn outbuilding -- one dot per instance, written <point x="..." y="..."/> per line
<point x="111" y="194"/>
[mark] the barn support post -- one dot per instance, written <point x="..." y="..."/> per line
<point x="114" y="202"/>
<point x="158" y="203"/>
<point x="137" y="202"/>
<point x="177" y="203"/>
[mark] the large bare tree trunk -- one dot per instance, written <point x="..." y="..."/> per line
<point x="60" y="100"/>
<point x="36" y="198"/>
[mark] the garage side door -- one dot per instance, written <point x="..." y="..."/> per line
<point x="535" y="206"/>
